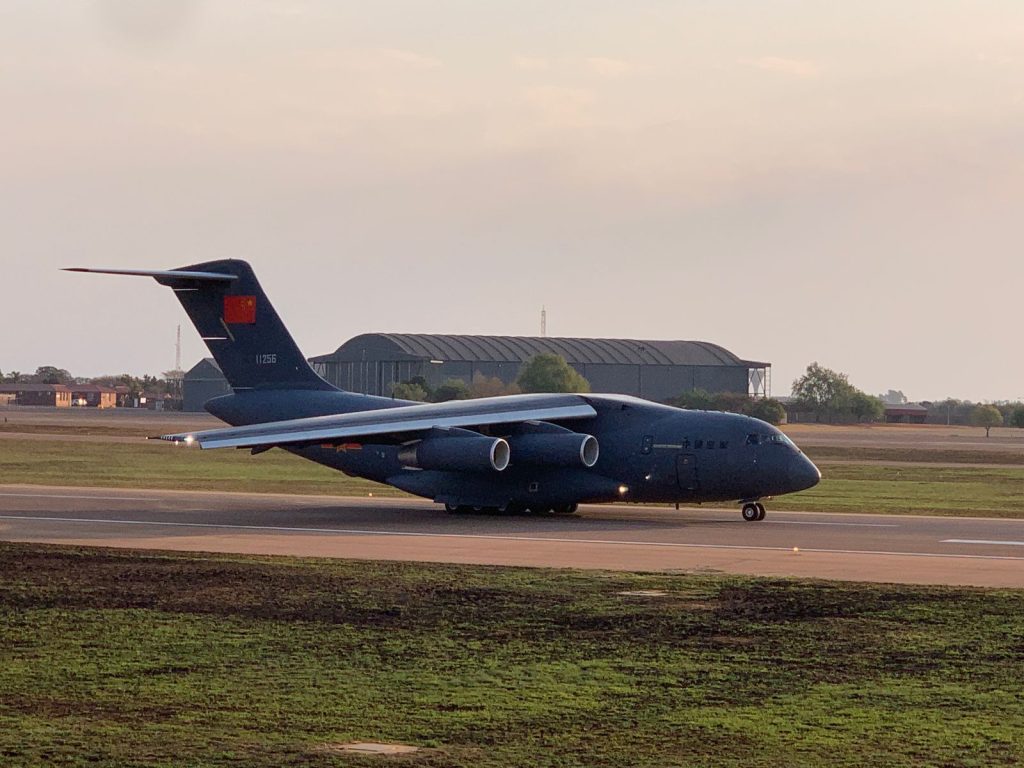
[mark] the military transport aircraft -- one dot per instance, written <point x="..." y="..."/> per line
<point x="537" y="452"/>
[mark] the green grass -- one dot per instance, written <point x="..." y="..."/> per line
<point x="162" y="465"/>
<point x="121" y="659"/>
<point x="934" y="490"/>
<point x="896" y="456"/>
<point x="889" y="489"/>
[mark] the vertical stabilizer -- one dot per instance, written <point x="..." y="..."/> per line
<point x="240" y="326"/>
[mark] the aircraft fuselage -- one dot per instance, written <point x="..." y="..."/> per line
<point x="648" y="453"/>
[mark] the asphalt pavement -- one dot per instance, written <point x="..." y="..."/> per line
<point x="884" y="548"/>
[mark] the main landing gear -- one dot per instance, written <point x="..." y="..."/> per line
<point x="753" y="511"/>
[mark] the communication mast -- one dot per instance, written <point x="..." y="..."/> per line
<point x="177" y="351"/>
<point x="543" y="321"/>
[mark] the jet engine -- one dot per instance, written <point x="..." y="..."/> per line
<point x="554" y="449"/>
<point x="457" y="450"/>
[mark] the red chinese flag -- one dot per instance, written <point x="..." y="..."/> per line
<point x="240" y="309"/>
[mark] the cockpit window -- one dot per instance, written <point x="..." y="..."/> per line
<point x="774" y="439"/>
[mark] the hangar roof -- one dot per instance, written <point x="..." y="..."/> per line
<point x="458" y="348"/>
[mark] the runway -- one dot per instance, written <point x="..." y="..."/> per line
<point x="882" y="548"/>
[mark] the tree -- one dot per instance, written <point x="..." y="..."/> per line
<point x="864" y="407"/>
<point x="986" y="416"/>
<point x="491" y="386"/>
<point x="1017" y="417"/>
<point x="548" y="372"/>
<point x="453" y="389"/>
<point x="894" y="397"/>
<point x="767" y="409"/>
<point x="695" y="400"/>
<point x="409" y="390"/>
<point x="731" y="402"/>
<point x="49" y="374"/>
<point x="823" y="391"/>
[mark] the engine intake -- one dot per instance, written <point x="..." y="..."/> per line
<point x="561" y="449"/>
<point x="456" y="452"/>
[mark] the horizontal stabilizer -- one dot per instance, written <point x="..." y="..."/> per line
<point x="158" y="273"/>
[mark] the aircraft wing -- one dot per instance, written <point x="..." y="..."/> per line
<point x="403" y="421"/>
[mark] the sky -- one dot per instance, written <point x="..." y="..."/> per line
<point x="796" y="181"/>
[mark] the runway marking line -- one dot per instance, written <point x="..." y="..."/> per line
<point x="845" y="525"/>
<point x="984" y="541"/>
<point x="83" y="497"/>
<point x="496" y="537"/>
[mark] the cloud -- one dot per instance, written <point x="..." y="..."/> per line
<point x="532" y="64"/>
<point x="371" y="59"/>
<point x="560" y="106"/>
<point x="407" y="58"/>
<point x="607" y="67"/>
<point x="793" y="67"/>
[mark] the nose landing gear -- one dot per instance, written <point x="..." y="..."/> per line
<point x="753" y="511"/>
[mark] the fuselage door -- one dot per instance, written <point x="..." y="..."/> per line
<point x="686" y="471"/>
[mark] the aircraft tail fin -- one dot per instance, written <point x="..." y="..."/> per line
<point x="240" y="326"/>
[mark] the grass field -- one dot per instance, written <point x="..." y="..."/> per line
<point x="161" y="465"/>
<point x="892" y="489"/>
<point x="898" y="456"/>
<point x="121" y="659"/>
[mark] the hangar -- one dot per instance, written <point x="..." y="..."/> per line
<point x="656" y="370"/>
<point x="201" y="383"/>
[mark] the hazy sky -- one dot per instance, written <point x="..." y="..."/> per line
<point x="796" y="181"/>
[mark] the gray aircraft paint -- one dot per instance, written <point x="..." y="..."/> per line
<point x="648" y="452"/>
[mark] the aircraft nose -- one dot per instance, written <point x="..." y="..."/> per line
<point x="803" y="474"/>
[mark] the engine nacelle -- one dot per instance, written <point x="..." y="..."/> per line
<point x="457" y="453"/>
<point x="559" y="449"/>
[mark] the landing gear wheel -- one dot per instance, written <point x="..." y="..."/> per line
<point x="564" y="509"/>
<point x="452" y="508"/>
<point x="752" y="512"/>
<point x="760" y="511"/>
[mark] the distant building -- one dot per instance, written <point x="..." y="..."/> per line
<point x="93" y="396"/>
<point x="201" y="383"/>
<point x="905" y="413"/>
<point x="25" y="393"/>
<point x="656" y="370"/>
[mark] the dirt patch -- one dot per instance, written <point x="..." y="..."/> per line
<point x="367" y="748"/>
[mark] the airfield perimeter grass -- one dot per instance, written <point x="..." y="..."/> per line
<point x="175" y="467"/>
<point x="892" y="489"/>
<point x="114" y="658"/>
